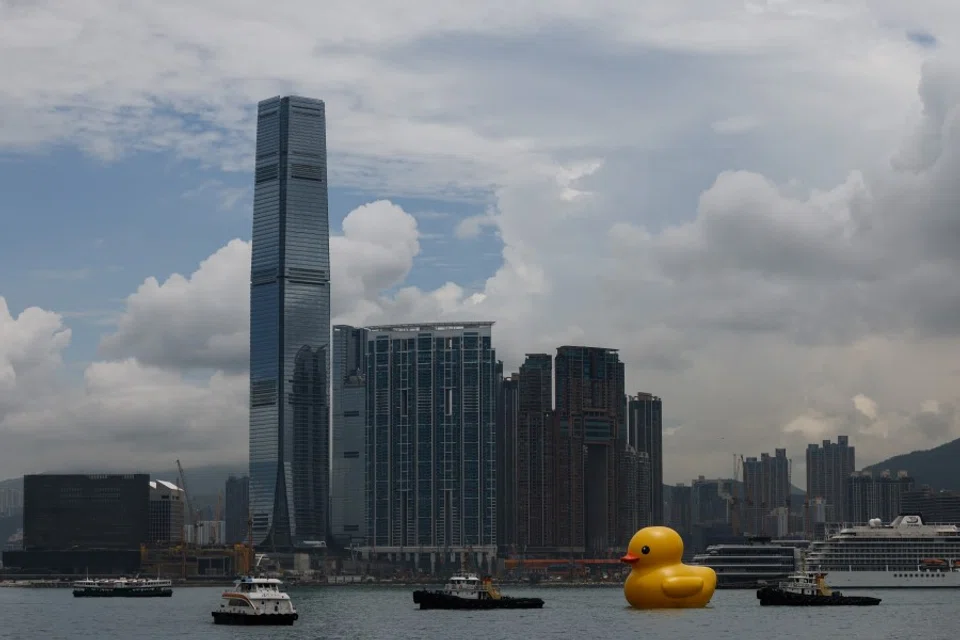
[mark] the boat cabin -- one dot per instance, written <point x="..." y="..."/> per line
<point x="260" y="587"/>
<point x="806" y="584"/>
<point x="471" y="587"/>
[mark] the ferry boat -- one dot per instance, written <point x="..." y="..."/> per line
<point x="747" y="566"/>
<point x="123" y="588"/>
<point x="255" y="601"/>
<point x="467" y="591"/>
<point x="808" y="589"/>
<point x="907" y="553"/>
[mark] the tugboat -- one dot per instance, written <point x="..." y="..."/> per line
<point x="467" y="591"/>
<point x="808" y="589"/>
<point x="255" y="601"/>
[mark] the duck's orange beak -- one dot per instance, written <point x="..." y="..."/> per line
<point x="629" y="558"/>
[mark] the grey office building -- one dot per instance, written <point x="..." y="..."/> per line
<point x="645" y="434"/>
<point x="237" y="509"/>
<point x="289" y="326"/>
<point x="347" y="491"/>
<point x="431" y="448"/>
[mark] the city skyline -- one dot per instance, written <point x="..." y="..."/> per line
<point x="763" y="236"/>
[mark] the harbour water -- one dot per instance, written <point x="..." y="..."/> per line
<point x="372" y="613"/>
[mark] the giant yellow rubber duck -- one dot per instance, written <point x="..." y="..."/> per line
<point x="658" y="579"/>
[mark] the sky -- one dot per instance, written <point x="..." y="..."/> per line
<point x="754" y="201"/>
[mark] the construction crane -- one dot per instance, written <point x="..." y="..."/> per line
<point x="193" y="515"/>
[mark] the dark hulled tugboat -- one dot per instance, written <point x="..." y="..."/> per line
<point x="808" y="589"/>
<point x="467" y="591"/>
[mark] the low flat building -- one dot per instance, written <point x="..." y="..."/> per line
<point x="74" y="524"/>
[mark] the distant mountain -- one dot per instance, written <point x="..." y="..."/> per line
<point x="936" y="467"/>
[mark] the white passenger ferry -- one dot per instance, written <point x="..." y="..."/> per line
<point x="123" y="588"/>
<point x="903" y="554"/>
<point x="255" y="601"/>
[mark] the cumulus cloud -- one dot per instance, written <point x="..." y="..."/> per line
<point x="30" y="351"/>
<point x="788" y="287"/>
<point x="190" y="322"/>
<point x="122" y="413"/>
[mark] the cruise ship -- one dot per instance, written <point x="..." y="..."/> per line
<point x="748" y="566"/>
<point x="903" y="554"/>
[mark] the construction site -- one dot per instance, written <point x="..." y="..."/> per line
<point x="199" y="552"/>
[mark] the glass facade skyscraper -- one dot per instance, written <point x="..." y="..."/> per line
<point x="289" y="325"/>
<point x="431" y="439"/>
<point x="348" y="515"/>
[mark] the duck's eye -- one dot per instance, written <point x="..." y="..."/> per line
<point x="645" y="550"/>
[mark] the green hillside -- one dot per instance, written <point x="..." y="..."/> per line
<point x="936" y="467"/>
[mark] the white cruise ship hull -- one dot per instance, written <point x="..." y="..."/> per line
<point x="893" y="579"/>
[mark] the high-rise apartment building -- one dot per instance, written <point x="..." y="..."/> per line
<point x="766" y="484"/>
<point x="634" y="487"/>
<point x="508" y="402"/>
<point x="709" y="501"/>
<point x="431" y="441"/>
<point x="679" y="507"/>
<point x="237" y="503"/>
<point x="869" y="496"/>
<point x="289" y="325"/>
<point x="645" y="434"/>
<point x="535" y="465"/>
<point x="589" y="406"/>
<point x="348" y="514"/>
<point x="940" y="507"/>
<point x="828" y="467"/>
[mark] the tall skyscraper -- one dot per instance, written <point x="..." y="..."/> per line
<point x="535" y="462"/>
<point x="508" y="402"/>
<point x="589" y="407"/>
<point x="828" y="467"/>
<point x="348" y="515"/>
<point x="289" y="325"/>
<point x="645" y="434"/>
<point x="431" y="440"/>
